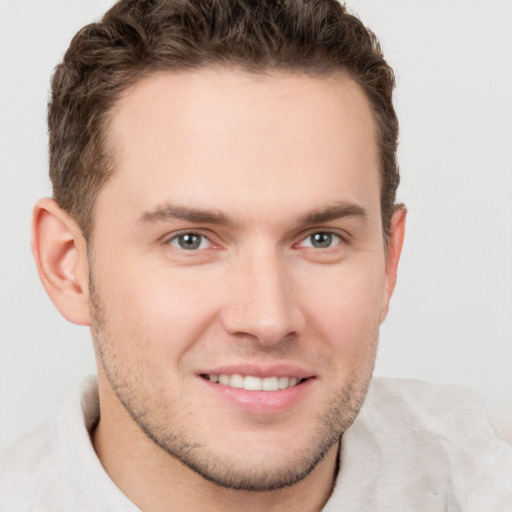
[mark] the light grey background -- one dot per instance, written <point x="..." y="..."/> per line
<point x="451" y="317"/>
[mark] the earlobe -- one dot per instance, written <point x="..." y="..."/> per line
<point x="396" y="240"/>
<point x="60" y="252"/>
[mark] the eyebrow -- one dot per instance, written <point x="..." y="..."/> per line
<point x="334" y="212"/>
<point x="168" y="212"/>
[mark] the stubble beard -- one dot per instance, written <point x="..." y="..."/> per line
<point x="150" y="412"/>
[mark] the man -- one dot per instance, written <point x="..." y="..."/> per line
<point x="224" y="220"/>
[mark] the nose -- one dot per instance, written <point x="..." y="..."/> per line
<point x="262" y="302"/>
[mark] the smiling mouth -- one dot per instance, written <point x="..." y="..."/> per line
<point x="252" y="383"/>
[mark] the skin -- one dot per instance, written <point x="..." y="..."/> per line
<point x="253" y="165"/>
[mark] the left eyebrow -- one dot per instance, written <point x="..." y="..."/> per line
<point x="334" y="212"/>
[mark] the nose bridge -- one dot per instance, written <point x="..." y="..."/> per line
<point x="261" y="301"/>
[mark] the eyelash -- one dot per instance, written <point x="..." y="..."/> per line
<point x="331" y="234"/>
<point x="202" y="237"/>
<point x="177" y="237"/>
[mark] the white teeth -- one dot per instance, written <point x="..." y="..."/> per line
<point x="270" y="384"/>
<point x="236" y="381"/>
<point x="251" y="383"/>
<point x="284" y="382"/>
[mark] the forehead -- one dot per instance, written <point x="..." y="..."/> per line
<point x="232" y="139"/>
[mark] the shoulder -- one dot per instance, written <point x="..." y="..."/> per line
<point x="30" y="469"/>
<point x="432" y="440"/>
<point x="54" y="468"/>
<point x="413" y="403"/>
<point x="37" y="472"/>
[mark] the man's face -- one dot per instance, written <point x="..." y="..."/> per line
<point x="239" y="240"/>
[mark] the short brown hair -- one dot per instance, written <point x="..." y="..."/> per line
<point x="138" y="37"/>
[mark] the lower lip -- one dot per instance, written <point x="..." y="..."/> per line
<point x="261" y="402"/>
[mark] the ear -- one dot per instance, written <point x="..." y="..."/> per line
<point x="395" y="243"/>
<point x="60" y="251"/>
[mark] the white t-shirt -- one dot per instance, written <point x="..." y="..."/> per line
<point x="414" y="447"/>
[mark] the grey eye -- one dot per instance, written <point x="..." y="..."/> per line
<point x="321" y="240"/>
<point x="189" y="241"/>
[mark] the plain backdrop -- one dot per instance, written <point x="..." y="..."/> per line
<point x="451" y="317"/>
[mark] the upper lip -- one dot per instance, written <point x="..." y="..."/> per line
<point x="274" y="370"/>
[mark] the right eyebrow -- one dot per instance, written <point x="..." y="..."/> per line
<point x="167" y="211"/>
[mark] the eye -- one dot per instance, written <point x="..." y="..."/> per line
<point x="321" y="240"/>
<point x="190" y="241"/>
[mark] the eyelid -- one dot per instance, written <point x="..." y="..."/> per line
<point x="169" y="237"/>
<point x="342" y="235"/>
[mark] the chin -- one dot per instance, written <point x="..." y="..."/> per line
<point x="257" y="474"/>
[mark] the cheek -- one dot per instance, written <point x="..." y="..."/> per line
<point x="159" y="313"/>
<point x="345" y="307"/>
